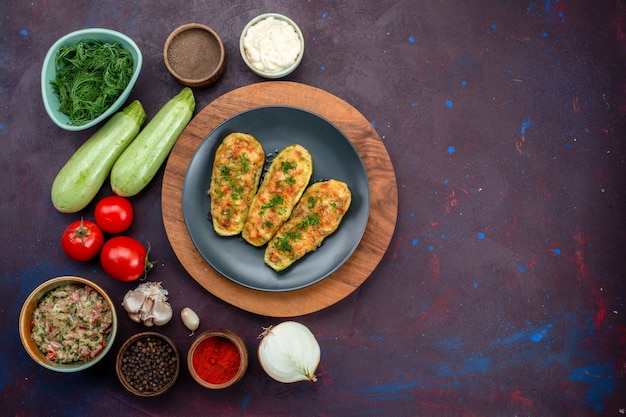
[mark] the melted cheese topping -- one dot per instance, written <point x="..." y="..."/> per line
<point x="235" y="177"/>
<point x="283" y="185"/>
<point x="317" y="215"/>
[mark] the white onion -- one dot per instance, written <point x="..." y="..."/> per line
<point x="289" y="352"/>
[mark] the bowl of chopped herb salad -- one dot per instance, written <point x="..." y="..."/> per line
<point x="87" y="75"/>
<point x="68" y="324"/>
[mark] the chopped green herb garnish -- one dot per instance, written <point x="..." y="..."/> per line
<point x="290" y="180"/>
<point x="283" y="242"/>
<point x="245" y="162"/>
<point x="310" y="220"/>
<point x="236" y="189"/>
<point x="225" y="172"/>
<point x="276" y="200"/>
<point x="287" y="166"/>
<point x="90" y="76"/>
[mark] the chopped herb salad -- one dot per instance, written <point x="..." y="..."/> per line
<point x="90" y="76"/>
<point x="71" y="324"/>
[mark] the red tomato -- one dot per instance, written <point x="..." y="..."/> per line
<point x="82" y="240"/>
<point x="113" y="214"/>
<point x="125" y="258"/>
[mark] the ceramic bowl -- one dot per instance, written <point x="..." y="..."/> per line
<point x="224" y="337"/>
<point x="195" y="55"/>
<point x="148" y="340"/>
<point x="26" y="316"/>
<point x="48" y="73"/>
<point x="264" y="73"/>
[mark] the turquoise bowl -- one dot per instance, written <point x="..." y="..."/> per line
<point x="48" y="73"/>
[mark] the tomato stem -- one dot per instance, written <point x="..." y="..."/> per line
<point x="81" y="232"/>
<point x="148" y="264"/>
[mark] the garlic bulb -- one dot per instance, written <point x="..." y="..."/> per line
<point x="289" y="352"/>
<point x="148" y="304"/>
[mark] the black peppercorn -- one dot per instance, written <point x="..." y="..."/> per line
<point x="149" y="364"/>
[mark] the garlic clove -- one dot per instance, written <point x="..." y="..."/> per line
<point x="146" y="308"/>
<point x="136" y="317"/>
<point x="133" y="300"/>
<point x="190" y="319"/>
<point x="161" y="312"/>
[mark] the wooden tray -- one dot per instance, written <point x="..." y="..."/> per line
<point x="383" y="199"/>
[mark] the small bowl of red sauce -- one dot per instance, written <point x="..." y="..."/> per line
<point x="217" y="359"/>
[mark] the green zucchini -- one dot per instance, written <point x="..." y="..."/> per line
<point x="82" y="176"/>
<point x="140" y="162"/>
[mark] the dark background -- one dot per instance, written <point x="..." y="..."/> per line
<point x="502" y="292"/>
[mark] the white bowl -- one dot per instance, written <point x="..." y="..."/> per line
<point x="48" y="73"/>
<point x="271" y="74"/>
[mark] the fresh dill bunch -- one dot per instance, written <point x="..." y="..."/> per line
<point x="90" y="76"/>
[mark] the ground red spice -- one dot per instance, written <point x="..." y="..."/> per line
<point x="216" y="360"/>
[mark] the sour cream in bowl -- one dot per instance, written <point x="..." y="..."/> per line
<point x="272" y="45"/>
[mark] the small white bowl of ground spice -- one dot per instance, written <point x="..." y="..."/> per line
<point x="87" y="75"/>
<point x="195" y="55"/>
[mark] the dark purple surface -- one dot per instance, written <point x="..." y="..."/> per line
<point x="502" y="292"/>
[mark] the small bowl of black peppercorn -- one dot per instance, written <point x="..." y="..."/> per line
<point x="148" y="364"/>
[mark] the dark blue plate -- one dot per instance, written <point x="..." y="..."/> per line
<point x="334" y="157"/>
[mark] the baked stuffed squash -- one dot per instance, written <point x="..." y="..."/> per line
<point x="283" y="184"/>
<point x="317" y="215"/>
<point x="235" y="177"/>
